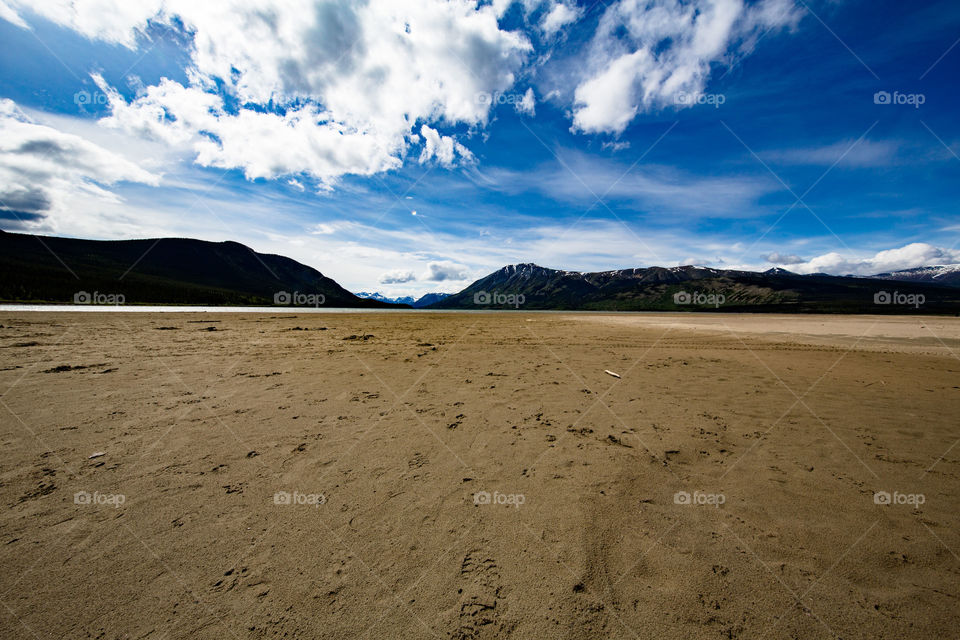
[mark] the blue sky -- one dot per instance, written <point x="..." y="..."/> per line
<point x="409" y="147"/>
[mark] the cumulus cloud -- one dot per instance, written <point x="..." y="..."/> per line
<point x="553" y="15"/>
<point x="911" y="256"/>
<point x="558" y="17"/>
<point x="328" y="88"/>
<point x="319" y="87"/>
<point x="397" y="277"/>
<point x="647" y="54"/>
<point x="779" y="258"/>
<point x="444" y="148"/>
<point x="528" y="104"/>
<point x="441" y="271"/>
<point x="42" y="169"/>
<point x="264" y="145"/>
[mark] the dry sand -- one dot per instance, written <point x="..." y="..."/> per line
<point x="793" y="423"/>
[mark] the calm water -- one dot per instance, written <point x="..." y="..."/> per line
<point x="106" y="308"/>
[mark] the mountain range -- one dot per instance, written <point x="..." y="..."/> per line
<point x="417" y="303"/>
<point x="185" y="271"/>
<point x="530" y="286"/>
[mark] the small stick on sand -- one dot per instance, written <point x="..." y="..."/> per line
<point x="615" y="375"/>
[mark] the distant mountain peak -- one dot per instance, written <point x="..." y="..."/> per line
<point x="934" y="270"/>
<point x="778" y="271"/>
<point x="429" y="298"/>
<point x="417" y="303"/>
<point x="524" y="267"/>
<point x="938" y="274"/>
<point x="376" y="295"/>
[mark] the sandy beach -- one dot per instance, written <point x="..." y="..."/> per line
<point x="442" y="475"/>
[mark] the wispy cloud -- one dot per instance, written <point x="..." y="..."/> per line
<point x="578" y="178"/>
<point x="846" y="153"/>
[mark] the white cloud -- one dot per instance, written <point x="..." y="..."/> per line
<point x="917" y="254"/>
<point x="701" y="261"/>
<point x="528" y="104"/>
<point x="328" y="88"/>
<point x="44" y="170"/>
<point x="615" y="146"/>
<point x="441" y="271"/>
<point x="324" y="229"/>
<point x="348" y="83"/>
<point x="397" y="277"/>
<point x="8" y="14"/>
<point x="553" y="15"/>
<point x="559" y="16"/>
<point x="646" y="53"/>
<point x="443" y="148"/>
<point x="779" y="258"/>
<point x="606" y="101"/>
<point x="115" y="22"/>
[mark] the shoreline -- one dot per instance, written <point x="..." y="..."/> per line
<point x="164" y="308"/>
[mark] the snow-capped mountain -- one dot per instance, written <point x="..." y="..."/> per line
<point x="376" y="295"/>
<point x="416" y="303"/>
<point x="940" y="274"/>
<point x="429" y="298"/>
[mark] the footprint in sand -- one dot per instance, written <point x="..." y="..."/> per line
<point x="480" y="603"/>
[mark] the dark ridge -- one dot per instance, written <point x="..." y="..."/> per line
<point x="158" y="271"/>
